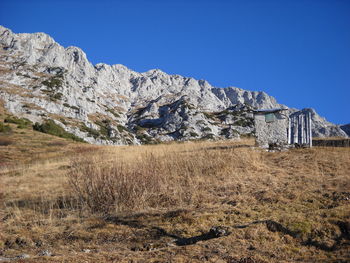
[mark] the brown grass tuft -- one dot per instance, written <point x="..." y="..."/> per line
<point x="5" y="141"/>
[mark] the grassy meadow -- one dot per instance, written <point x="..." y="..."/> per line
<point x="158" y="203"/>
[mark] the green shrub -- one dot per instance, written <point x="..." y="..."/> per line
<point x="146" y="139"/>
<point x="74" y="108"/>
<point x="90" y="100"/>
<point x="103" y="127"/>
<point x="56" y="96"/>
<point x="206" y="129"/>
<point x="193" y="134"/>
<point x="63" y="121"/>
<point x="52" y="83"/>
<point x="208" y="137"/>
<point x="121" y="128"/>
<point x="50" y="127"/>
<point x="116" y="114"/>
<point x="21" y="122"/>
<point x="209" y="115"/>
<point x="91" y="132"/>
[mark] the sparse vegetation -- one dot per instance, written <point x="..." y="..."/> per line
<point x="122" y="128"/>
<point x="116" y="114"/>
<point x="53" y="82"/>
<point x="56" y="96"/>
<point x="206" y="129"/>
<point x="5" y="141"/>
<point x="104" y="127"/>
<point x="193" y="134"/>
<point x="146" y="139"/>
<point x="209" y="115"/>
<point x="21" y="122"/>
<point x="50" y="127"/>
<point x="91" y="132"/>
<point x="244" y="122"/>
<point x="147" y="203"/>
<point x="4" y="128"/>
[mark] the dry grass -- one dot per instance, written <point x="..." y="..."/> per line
<point x="130" y="203"/>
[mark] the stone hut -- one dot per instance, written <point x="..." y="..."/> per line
<point x="271" y="127"/>
<point x="276" y="128"/>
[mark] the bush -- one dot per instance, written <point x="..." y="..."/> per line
<point x="53" y="83"/>
<point x="146" y="139"/>
<point x="56" y="96"/>
<point x="206" y="129"/>
<point x="91" y="132"/>
<point x="21" y="122"/>
<point x="104" y="124"/>
<point x="122" y="128"/>
<point x="50" y="127"/>
<point x="193" y="134"/>
<point x="116" y="114"/>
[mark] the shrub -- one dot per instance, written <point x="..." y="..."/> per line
<point x="209" y="115"/>
<point x="206" y="129"/>
<point x="91" y="132"/>
<point x="121" y="128"/>
<point x="146" y="139"/>
<point x="56" y="96"/>
<point x="21" y="122"/>
<point x="209" y="136"/>
<point x="50" y="127"/>
<point x="103" y="127"/>
<point x="116" y="114"/>
<point x="52" y="83"/>
<point x="193" y="134"/>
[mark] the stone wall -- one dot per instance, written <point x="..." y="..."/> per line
<point x="274" y="132"/>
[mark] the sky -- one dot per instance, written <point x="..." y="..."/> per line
<point x="295" y="50"/>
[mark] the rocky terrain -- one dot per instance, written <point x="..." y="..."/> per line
<point x="103" y="104"/>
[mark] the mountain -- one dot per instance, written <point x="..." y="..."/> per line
<point x="346" y="128"/>
<point x="110" y="104"/>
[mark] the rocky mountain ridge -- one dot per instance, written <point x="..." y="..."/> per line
<point x="41" y="80"/>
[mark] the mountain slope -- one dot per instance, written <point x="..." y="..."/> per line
<point x="104" y="104"/>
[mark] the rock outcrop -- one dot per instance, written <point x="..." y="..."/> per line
<point x="346" y="128"/>
<point x="104" y="104"/>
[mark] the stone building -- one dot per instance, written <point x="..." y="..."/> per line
<point x="276" y="128"/>
<point x="271" y="127"/>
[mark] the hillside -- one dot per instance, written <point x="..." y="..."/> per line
<point x="62" y="201"/>
<point x="103" y="104"/>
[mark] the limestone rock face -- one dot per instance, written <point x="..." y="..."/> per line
<point x="111" y="104"/>
<point x="346" y="128"/>
<point x="323" y="128"/>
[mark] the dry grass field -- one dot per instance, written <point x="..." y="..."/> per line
<point x="184" y="202"/>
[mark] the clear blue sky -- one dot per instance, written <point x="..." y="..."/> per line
<point x="297" y="51"/>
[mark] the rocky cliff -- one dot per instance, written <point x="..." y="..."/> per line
<point x="41" y="80"/>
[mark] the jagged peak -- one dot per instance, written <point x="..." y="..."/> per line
<point x="4" y="30"/>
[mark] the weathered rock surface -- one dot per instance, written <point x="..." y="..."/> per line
<point x="104" y="104"/>
<point x="346" y="128"/>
